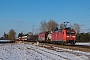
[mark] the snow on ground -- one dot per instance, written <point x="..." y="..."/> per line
<point x="87" y="44"/>
<point x="4" y="40"/>
<point x="27" y="51"/>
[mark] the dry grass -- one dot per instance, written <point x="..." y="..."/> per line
<point x="71" y="47"/>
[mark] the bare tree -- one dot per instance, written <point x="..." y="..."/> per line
<point x="52" y="25"/>
<point x="11" y="34"/>
<point x="62" y="26"/>
<point x="43" y="26"/>
<point x="71" y="26"/>
<point x="76" y="27"/>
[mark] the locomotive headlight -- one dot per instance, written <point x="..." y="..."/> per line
<point x="67" y="36"/>
<point x="73" y="36"/>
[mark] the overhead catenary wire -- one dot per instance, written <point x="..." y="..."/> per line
<point x="80" y="17"/>
<point x="77" y="14"/>
<point x="81" y="11"/>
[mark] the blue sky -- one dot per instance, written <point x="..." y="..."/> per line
<point x="21" y="15"/>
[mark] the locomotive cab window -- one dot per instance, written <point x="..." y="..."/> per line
<point x="70" y="32"/>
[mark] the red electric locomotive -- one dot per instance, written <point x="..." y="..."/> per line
<point x="63" y="36"/>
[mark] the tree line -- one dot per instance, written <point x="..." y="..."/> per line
<point x="11" y="35"/>
<point x="83" y="37"/>
<point x="51" y="25"/>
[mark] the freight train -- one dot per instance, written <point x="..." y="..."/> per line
<point x="61" y="36"/>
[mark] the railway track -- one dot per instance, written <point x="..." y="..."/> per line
<point x="81" y="46"/>
<point x="72" y="47"/>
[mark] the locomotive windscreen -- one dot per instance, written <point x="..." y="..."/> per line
<point x="70" y="32"/>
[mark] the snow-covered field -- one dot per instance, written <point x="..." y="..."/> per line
<point x="87" y="44"/>
<point x="27" y="51"/>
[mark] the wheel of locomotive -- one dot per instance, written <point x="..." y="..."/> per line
<point x="65" y="43"/>
<point x="72" y="43"/>
<point x="62" y="43"/>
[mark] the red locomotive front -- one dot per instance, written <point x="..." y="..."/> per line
<point x="71" y="36"/>
<point x="64" y="36"/>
